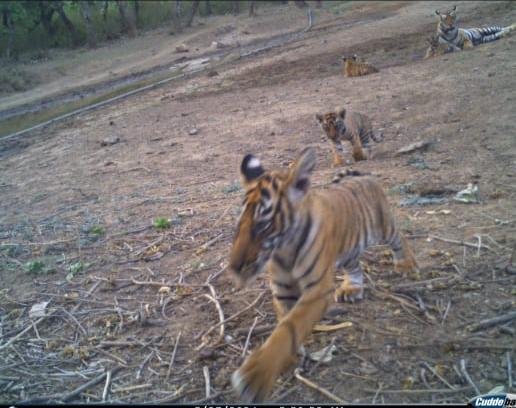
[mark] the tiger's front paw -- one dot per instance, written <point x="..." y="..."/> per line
<point x="255" y="379"/>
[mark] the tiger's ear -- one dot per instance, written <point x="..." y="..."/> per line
<point x="250" y="169"/>
<point x="299" y="178"/>
<point x="437" y="13"/>
<point x="341" y="112"/>
<point x="319" y="117"/>
<point x="454" y="8"/>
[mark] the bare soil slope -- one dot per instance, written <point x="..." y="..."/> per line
<point x="85" y="210"/>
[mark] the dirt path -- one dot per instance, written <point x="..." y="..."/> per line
<point x="66" y="198"/>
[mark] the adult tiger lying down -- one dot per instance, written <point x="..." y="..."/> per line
<point x="303" y="236"/>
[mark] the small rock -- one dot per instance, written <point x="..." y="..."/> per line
<point x="111" y="123"/>
<point x="218" y="45"/>
<point x="110" y="141"/>
<point x="212" y="73"/>
<point x="491" y="74"/>
<point x="182" y="48"/>
<point x="193" y="131"/>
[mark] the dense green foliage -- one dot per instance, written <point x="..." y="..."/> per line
<point x="35" y="26"/>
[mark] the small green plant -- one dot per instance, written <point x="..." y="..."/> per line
<point x="75" y="268"/>
<point x="97" y="230"/>
<point x="161" y="223"/>
<point x="38" y="267"/>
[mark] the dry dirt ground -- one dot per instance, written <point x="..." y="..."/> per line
<point x="72" y="208"/>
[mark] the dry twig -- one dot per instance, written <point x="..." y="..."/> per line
<point x="173" y="357"/>
<point x="318" y="388"/>
<point x="466" y="376"/>
<point x="234" y="316"/>
<point x="487" y="323"/>
<point x="206" y="373"/>
<point x="464" y="243"/>
<point x="246" y="346"/>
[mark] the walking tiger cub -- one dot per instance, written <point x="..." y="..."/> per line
<point x="354" y="127"/>
<point x="303" y="236"/>
<point x="353" y="68"/>
<point x="461" y="38"/>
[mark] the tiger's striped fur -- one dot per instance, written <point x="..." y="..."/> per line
<point x="302" y="236"/>
<point x="461" y="38"/>
<point x="354" y="127"/>
<point x="353" y="68"/>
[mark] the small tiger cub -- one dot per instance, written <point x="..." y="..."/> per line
<point x="353" y="68"/>
<point x="353" y="127"/>
<point x="302" y="236"/>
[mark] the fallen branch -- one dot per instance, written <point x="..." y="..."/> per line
<point x="431" y="369"/>
<point x="323" y="391"/>
<point x="89" y="384"/>
<point x="487" y="323"/>
<point x="332" y="327"/>
<point x="206" y="373"/>
<point x="464" y="243"/>
<point x="13" y="339"/>
<point x="173" y="357"/>
<point x="246" y="346"/>
<point x="213" y="299"/>
<point x="105" y="392"/>
<point x="234" y="316"/>
<point x="464" y="372"/>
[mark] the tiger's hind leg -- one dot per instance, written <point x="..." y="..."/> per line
<point x="352" y="287"/>
<point x="404" y="260"/>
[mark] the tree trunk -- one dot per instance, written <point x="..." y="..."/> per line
<point x="105" y="10"/>
<point x="209" y="11"/>
<point x="46" y="14"/>
<point x="252" y="8"/>
<point x="128" y="25"/>
<point x="178" y="9"/>
<point x="90" y="31"/>
<point x="195" y="7"/>
<point x="9" y="23"/>
<point x="59" y="7"/>
<point x="236" y="7"/>
<point x="176" y="18"/>
<point x="137" y="12"/>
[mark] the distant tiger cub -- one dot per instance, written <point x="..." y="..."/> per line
<point x="354" y="127"/>
<point x="353" y="68"/>
<point x="436" y="48"/>
<point x="303" y="236"/>
<point x="461" y="38"/>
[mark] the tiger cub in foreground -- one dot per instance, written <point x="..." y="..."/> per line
<point x="354" y="127"/>
<point x="462" y="38"/>
<point x="303" y="236"/>
<point x="353" y="68"/>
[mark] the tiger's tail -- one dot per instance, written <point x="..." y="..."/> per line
<point x="487" y="34"/>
